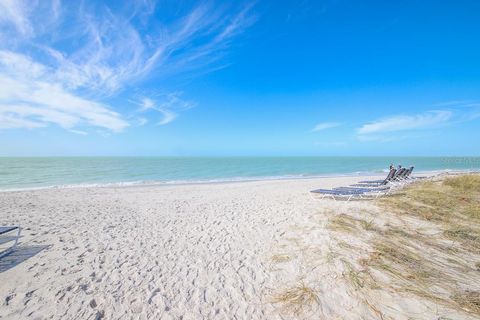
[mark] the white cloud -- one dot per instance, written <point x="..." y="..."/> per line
<point x="407" y="122"/>
<point x="58" y="62"/>
<point x="168" y="116"/>
<point x="15" y="12"/>
<point x="13" y="122"/>
<point x="471" y="110"/>
<point x="82" y="133"/>
<point x="168" y="105"/>
<point x="147" y="104"/>
<point x="27" y="101"/>
<point x="325" y="125"/>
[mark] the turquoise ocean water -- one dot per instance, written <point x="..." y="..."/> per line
<point x="21" y="173"/>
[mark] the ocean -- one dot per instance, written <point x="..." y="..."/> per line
<point x="26" y="173"/>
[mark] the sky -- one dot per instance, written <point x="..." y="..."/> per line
<point x="239" y="78"/>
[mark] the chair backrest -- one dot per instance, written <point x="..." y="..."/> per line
<point x="399" y="174"/>
<point x="404" y="174"/>
<point x="389" y="176"/>
<point x="409" y="172"/>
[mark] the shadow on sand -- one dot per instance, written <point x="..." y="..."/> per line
<point x="19" y="255"/>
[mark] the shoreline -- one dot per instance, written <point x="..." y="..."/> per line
<point x="133" y="184"/>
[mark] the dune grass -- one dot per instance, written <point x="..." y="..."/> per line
<point x="466" y="183"/>
<point x="279" y="258"/>
<point x="343" y="222"/>
<point x="297" y="300"/>
<point x="454" y="200"/>
<point x="453" y="203"/>
<point x="422" y="243"/>
<point x="347" y="223"/>
<point x="468" y="300"/>
<point x="354" y="276"/>
<point x="442" y="266"/>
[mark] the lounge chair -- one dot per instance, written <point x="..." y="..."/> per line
<point x="408" y="173"/>
<point x="400" y="178"/>
<point x="410" y="177"/>
<point x="389" y="176"/>
<point x="403" y="177"/>
<point x="4" y="231"/>
<point x="348" y="193"/>
<point x="364" y="189"/>
<point x="378" y="189"/>
<point x="374" y="183"/>
<point x="367" y="189"/>
<point x="399" y="174"/>
<point x="334" y="194"/>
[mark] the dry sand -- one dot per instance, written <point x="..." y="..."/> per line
<point x="170" y="252"/>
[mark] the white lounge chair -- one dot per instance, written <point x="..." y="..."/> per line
<point x="348" y="193"/>
<point x="4" y="232"/>
<point x="377" y="183"/>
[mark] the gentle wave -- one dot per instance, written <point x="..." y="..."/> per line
<point x="41" y="173"/>
<point x="184" y="182"/>
<point x="215" y="181"/>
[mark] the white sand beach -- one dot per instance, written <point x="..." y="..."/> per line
<point x="200" y="251"/>
<point x="239" y="160"/>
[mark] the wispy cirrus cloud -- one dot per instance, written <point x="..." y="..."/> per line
<point x="167" y="105"/>
<point x="389" y="128"/>
<point x="407" y="122"/>
<point x="325" y="125"/>
<point x="15" y="13"/>
<point x="63" y="70"/>
<point x="473" y="110"/>
<point x="29" y="100"/>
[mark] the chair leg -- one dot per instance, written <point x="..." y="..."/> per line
<point x="16" y="240"/>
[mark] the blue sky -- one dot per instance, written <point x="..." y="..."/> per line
<point x="183" y="78"/>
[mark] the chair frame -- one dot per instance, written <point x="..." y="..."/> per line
<point x="14" y="246"/>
